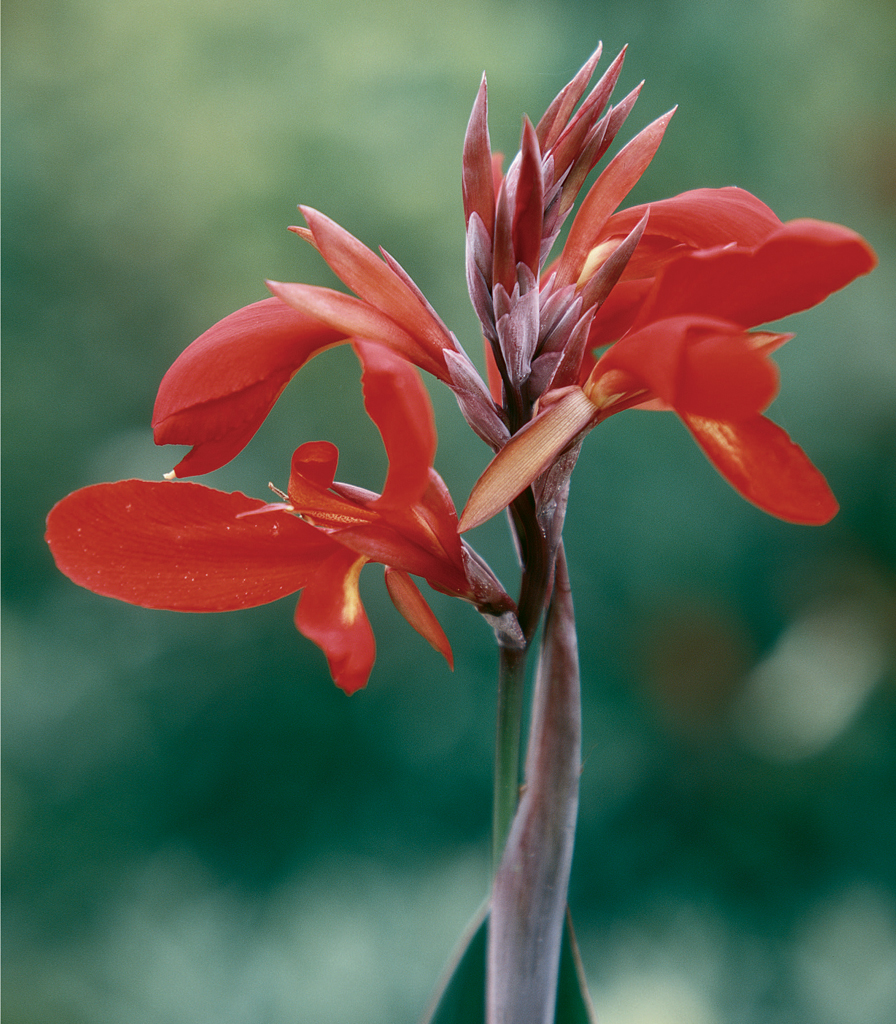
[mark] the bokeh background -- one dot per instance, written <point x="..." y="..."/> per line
<point x="198" y="826"/>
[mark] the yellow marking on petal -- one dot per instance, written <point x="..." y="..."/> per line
<point x="595" y="259"/>
<point x="606" y="389"/>
<point x="526" y="456"/>
<point x="351" y="596"/>
<point x="331" y="520"/>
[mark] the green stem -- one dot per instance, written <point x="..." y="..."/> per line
<point x="511" y="680"/>
<point x="512" y="670"/>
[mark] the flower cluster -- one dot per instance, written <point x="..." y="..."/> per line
<point x="652" y="307"/>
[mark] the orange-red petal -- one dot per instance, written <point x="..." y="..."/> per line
<point x="220" y="389"/>
<point x="762" y="464"/>
<point x="352" y="317"/>
<point x="374" y="281"/>
<point x="697" y="365"/>
<point x="413" y="606"/>
<point x="182" y="546"/>
<point x="793" y="269"/>
<point x="614" y="184"/>
<point x="330" y="614"/>
<point x="398" y="403"/>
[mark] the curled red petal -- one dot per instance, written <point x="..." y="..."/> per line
<point x="696" y="365"/>
<point x="702" y="218"/>
<point x="413" y="606"/>
<point x="310" y="479"/>
<point x="795" y="268"/>
<point x="330" y="614"/>
<point x="398" y="403"/>
<point x="762" y="464"/>
<point x="181" y="546"/>
<point x="315" y="461"/>
<point x="219" y="390"/>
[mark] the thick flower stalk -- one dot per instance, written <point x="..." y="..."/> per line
<point x="663" y="306"/>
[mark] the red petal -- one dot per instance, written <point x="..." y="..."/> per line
<point x="398" y="403"/>
<point x="700" y="219"/>
<point x="181" y="546"/>
<point x="353" y="317"/>
<point x="331" y="615"/>
<point x="797" y="267"/>
<point x="310" y="479"/>
<point x="220" y="389"/>
<point x="382" y="542"/>
<point x="432" y="522"/>
<point x="760" y="461"/>
<point x="618" y="311"/>
<point x="373" y="280"/>
<point x="696" y="365"/>
<point x="411" y="603"/>
<point x="315" y="461"/>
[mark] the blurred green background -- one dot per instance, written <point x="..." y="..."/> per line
<point x="198" y="826"/>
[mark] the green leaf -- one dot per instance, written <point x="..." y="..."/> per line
<point x="460" y="996"/>
<point x="573" y="999"/>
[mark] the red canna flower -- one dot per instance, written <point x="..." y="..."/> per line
<point x="672" y="288"/>
<point x="651" y="307"/>
<point x="186" y="547"/>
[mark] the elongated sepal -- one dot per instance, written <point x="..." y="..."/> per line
<point x="478" y="180"/>
<point x="355" y="318"/>
<point x="614" y="184"/>
<point x="526" y="456"/>
<point x="410" y="602"/>
<point x="528" y="214"/>
<point x="555" y="118"/>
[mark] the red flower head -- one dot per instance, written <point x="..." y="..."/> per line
<point x="673" y="288"/>
<point x="186" y="547"/>
<point x="650" y="307"/>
